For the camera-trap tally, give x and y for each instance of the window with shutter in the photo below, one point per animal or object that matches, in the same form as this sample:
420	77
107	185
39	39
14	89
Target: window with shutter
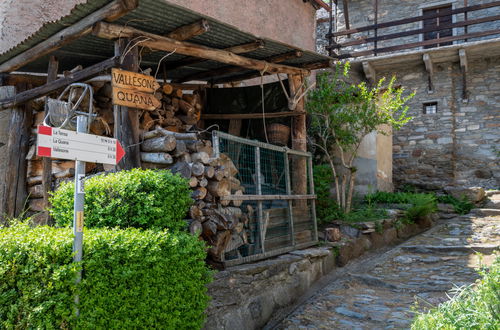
436	22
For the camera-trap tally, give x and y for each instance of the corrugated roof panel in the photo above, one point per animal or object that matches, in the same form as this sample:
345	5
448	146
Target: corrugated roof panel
155	17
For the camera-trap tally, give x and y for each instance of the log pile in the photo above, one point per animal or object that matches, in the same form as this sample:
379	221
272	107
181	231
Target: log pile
169	141
223	224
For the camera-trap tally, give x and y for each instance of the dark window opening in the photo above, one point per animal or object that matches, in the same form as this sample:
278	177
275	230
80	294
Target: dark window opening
436	22
430	108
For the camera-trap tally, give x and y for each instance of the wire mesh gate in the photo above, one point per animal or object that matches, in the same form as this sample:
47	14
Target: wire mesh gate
278	195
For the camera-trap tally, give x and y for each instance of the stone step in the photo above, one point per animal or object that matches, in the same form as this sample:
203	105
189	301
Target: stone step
484	248
487	212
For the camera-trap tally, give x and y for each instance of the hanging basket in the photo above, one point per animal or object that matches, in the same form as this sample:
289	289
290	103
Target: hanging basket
278	134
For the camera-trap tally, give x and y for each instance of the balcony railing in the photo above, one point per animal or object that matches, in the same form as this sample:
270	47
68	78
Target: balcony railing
376	39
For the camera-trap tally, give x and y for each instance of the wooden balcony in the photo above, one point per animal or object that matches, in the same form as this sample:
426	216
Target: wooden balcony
381	38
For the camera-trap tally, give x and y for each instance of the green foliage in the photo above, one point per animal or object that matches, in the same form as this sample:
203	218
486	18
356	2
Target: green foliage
327	209
421	204
136	198
342	114
461	206
364	214
132	279
472	307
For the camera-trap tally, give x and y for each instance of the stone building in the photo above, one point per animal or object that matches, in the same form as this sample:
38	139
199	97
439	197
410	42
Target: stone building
448	52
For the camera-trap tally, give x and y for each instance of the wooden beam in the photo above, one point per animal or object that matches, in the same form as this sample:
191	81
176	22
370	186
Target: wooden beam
256	74
47	161
462	54
231	116
48	88
153	41
126	120
14	180
234	69
190	30
83	27
370	72
345	6
239	49
429	67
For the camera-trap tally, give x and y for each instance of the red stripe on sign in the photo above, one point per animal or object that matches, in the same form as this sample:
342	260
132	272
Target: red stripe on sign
44	151
45	130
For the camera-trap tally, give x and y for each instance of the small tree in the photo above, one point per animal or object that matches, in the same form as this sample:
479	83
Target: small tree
343	114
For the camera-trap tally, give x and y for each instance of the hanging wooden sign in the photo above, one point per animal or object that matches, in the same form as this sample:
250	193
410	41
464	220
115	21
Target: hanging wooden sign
135	99
133	81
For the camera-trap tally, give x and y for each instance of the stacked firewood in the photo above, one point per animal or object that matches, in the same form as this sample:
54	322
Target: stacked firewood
222	223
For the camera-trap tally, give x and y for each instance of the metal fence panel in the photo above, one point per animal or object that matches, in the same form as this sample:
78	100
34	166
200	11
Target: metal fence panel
280	202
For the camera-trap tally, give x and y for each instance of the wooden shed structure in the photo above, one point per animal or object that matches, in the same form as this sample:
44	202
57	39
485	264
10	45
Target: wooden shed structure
188	54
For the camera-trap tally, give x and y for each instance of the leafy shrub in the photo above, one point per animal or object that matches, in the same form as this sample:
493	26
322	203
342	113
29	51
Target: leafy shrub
132	279
472	307
135	198
423	205
461	206
327	208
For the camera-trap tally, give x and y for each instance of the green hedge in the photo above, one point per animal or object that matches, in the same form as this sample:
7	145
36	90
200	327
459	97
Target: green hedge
136	198
132	279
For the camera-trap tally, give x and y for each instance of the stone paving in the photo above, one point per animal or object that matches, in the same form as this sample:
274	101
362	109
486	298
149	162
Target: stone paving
381	292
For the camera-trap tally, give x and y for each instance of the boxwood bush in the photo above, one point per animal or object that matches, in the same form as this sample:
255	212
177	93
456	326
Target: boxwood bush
132	279
136	198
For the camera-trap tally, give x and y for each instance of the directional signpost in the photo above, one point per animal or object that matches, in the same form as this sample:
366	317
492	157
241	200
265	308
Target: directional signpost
81	147
66	144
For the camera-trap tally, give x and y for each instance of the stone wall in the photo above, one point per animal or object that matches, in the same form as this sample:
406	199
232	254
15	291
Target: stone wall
459	144
361	13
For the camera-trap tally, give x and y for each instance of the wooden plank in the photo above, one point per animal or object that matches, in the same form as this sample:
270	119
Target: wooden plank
345	6
83	27
113	31
135	99
126	127
238	49
417	18
48	88
422	43
364	40
236	116
14	180
233	69
266	197
133	81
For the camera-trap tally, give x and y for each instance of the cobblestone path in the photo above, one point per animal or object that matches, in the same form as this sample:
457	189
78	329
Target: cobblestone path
379	293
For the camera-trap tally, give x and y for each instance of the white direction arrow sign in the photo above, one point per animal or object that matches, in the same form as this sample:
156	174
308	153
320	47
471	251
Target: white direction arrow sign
65	144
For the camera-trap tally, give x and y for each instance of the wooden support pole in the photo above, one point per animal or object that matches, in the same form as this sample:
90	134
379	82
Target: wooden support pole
47	161
299	139
429	67
113	31
48	88
239	49
111	11
464	66
15	190
126	128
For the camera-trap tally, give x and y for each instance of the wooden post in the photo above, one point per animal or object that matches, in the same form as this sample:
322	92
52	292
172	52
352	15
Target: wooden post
15	192
299	139
47	161
126	127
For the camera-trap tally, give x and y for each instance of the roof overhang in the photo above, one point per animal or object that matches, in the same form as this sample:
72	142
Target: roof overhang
158	18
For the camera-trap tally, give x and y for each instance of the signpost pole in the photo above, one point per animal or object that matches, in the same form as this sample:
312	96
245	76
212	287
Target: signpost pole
81	127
